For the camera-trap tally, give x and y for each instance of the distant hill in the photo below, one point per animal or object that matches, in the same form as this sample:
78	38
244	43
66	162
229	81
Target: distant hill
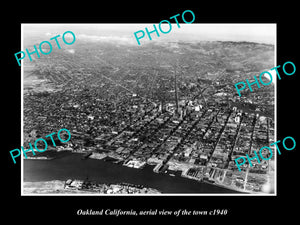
141	68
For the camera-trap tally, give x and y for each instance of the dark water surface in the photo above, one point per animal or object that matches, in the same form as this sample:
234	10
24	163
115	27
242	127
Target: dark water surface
72	166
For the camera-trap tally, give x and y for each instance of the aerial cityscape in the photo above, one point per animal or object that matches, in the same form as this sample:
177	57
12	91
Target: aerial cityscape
168	108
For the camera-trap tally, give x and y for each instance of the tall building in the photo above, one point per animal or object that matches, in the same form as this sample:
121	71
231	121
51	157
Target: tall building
176	91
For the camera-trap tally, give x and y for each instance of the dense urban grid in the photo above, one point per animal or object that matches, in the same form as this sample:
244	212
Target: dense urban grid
170	105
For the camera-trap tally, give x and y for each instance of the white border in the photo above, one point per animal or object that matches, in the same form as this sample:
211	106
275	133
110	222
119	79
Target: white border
22	111
129	195
275	119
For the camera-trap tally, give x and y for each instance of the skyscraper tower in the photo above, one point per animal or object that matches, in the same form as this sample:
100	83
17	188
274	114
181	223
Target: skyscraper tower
176	92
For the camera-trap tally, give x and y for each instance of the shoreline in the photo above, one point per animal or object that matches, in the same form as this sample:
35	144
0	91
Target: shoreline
149	165
104	157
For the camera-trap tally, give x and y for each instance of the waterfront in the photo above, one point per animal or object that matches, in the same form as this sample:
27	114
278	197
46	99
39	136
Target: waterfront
72	166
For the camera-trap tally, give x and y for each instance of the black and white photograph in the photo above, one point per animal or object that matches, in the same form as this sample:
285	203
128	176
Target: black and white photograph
135	113
129	109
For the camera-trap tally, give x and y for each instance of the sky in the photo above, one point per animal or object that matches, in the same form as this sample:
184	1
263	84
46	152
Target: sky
261	33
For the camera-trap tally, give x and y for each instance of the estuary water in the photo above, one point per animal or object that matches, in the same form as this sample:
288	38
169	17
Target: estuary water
72	166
